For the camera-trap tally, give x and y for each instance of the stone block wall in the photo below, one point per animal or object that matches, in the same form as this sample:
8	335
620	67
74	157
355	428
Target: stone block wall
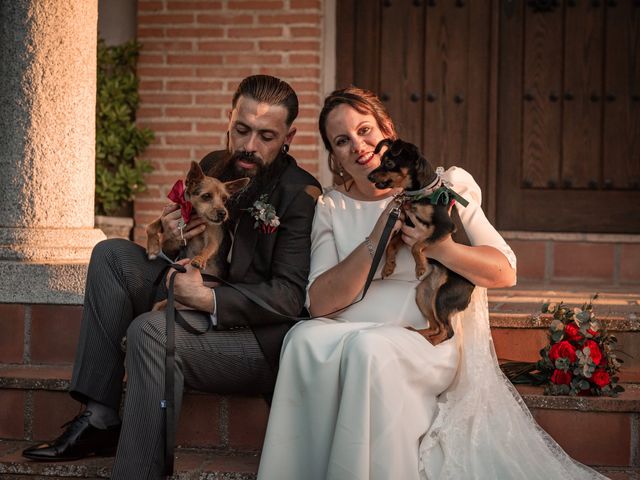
194	55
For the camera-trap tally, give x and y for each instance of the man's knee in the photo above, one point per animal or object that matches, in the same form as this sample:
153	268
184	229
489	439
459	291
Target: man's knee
145	332
109	249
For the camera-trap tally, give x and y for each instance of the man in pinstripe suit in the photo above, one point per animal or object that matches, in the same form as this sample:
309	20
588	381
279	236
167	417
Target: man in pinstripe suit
238	353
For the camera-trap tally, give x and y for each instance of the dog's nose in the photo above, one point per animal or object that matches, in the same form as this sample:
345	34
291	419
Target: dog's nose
372	176
221	215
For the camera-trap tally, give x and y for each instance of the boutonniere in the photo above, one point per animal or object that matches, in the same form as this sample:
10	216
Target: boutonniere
264	215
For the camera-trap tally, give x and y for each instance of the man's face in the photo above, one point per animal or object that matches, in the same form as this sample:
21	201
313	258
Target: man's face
257	132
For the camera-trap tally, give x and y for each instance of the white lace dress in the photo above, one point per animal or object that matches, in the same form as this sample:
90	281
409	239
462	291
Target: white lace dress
360	397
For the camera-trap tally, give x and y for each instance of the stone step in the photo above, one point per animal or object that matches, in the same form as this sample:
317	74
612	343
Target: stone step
34	403
190	464
519	330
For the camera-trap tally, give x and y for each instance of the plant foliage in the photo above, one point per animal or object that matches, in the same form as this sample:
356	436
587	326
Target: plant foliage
119	141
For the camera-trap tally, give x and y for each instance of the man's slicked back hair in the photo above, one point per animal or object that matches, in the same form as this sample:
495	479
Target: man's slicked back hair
270	90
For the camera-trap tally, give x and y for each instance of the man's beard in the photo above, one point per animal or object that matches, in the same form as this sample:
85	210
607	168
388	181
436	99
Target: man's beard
262	175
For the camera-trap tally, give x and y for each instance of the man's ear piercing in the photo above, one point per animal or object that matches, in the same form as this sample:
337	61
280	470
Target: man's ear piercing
285	148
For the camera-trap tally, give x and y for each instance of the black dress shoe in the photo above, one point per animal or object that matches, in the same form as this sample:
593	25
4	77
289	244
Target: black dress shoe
79	440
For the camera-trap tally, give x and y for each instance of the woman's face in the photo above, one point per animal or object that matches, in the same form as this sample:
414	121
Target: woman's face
353	137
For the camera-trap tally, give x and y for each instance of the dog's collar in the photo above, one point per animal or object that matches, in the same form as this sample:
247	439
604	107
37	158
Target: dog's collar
425	191
438	192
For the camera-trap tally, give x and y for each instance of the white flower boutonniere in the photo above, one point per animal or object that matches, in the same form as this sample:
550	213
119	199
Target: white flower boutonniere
264	214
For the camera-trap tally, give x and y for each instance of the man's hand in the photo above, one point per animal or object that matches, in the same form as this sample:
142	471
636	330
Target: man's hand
171	237
189	288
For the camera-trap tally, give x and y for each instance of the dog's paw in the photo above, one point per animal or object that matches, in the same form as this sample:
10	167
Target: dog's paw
199	262
420	271
152	256
388	269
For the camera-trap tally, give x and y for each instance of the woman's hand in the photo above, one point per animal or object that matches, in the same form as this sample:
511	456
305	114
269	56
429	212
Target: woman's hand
171	237
376	233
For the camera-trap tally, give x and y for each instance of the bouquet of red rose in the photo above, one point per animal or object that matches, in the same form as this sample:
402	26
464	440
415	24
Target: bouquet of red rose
580	357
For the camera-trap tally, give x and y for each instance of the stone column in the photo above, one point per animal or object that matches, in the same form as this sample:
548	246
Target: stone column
47	142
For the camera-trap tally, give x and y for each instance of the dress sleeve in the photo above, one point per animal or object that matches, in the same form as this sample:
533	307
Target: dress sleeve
476	225
324	254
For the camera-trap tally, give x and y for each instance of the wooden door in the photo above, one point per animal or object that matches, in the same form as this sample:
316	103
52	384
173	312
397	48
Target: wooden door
430	64
569	116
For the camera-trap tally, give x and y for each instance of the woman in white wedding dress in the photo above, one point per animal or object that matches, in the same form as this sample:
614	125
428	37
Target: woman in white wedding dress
361	396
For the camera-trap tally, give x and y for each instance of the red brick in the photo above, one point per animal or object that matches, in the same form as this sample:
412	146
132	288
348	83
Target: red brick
255	5
51	410
259	59
148	112
164	18
305	4
288	19
587	261
150	85
163	72
254	32
208	5
151	58
150	6
531	257
154	32
192	112
289	72
247	422
199	424
225	19
187	140
193	85
232	74
197	33
163	152
201	59
161	46
168	126
225	46
304	58
54	333
576	432
630	262
165	98
213	98
211	127
12	414
12	328
305	32
280	45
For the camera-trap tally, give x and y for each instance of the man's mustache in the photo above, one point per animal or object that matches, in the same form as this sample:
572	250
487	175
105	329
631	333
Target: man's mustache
249	157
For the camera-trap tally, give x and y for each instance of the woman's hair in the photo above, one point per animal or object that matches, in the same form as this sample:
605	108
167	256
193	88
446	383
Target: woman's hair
364	102
270	90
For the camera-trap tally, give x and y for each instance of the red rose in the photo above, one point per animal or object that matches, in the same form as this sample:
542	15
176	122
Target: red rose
600	377
562	349
593	333
573	332
560	377
595	353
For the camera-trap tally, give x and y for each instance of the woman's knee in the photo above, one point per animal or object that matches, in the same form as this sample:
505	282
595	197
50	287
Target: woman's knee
367	345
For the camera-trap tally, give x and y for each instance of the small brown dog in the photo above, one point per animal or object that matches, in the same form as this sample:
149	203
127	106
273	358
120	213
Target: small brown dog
442	292
207	196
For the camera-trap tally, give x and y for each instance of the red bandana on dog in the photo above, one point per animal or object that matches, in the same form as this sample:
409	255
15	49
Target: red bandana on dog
176	195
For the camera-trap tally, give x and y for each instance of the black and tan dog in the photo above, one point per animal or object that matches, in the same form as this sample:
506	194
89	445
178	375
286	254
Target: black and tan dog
207	196
442	292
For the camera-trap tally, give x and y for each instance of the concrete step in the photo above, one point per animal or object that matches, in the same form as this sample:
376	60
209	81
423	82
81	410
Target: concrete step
190	464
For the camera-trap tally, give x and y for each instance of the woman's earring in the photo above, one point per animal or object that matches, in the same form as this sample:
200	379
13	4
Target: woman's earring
285	148
340	171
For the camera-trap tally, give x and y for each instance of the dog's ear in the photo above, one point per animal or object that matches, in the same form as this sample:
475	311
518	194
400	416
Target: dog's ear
235	186
195	175
397	147
382	143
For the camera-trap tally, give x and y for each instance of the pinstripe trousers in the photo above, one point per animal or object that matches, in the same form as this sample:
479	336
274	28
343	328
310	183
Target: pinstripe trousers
118	297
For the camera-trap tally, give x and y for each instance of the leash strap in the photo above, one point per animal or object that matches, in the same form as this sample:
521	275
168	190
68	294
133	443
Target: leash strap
168	403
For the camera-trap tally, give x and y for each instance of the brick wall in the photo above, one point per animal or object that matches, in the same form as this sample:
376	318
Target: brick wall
194	55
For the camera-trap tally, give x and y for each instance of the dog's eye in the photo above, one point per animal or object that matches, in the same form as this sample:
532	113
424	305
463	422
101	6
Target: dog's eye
206	197
389	163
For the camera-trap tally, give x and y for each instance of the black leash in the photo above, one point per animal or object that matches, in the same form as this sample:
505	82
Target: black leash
172	316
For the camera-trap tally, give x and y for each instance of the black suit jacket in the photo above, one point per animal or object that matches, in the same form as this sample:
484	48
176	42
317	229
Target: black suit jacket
273	266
